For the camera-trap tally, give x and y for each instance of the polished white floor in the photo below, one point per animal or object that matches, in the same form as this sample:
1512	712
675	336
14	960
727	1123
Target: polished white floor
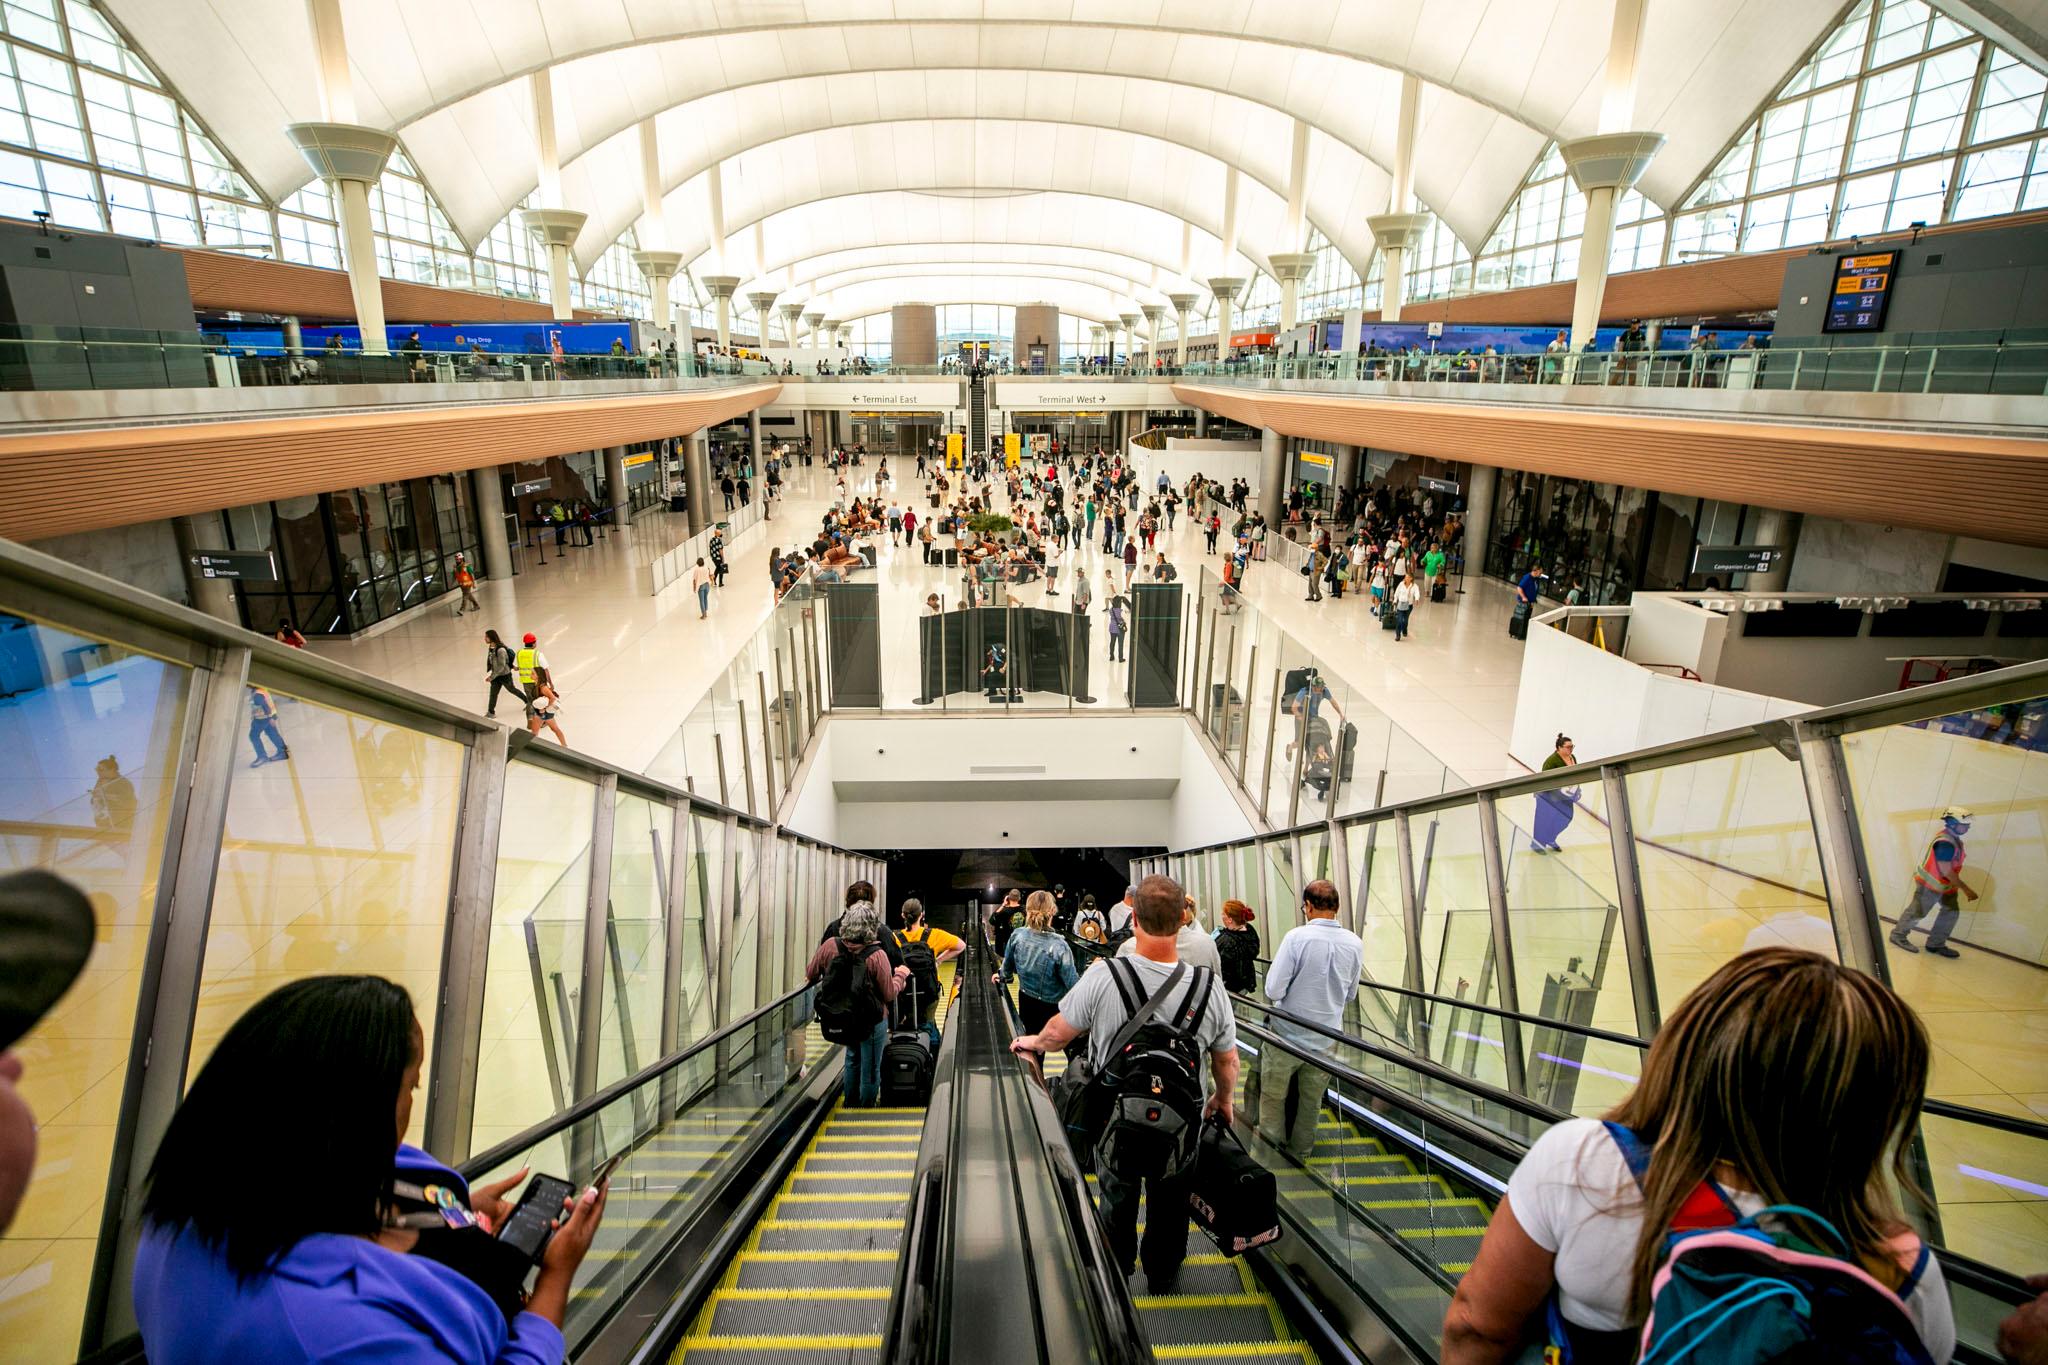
631	664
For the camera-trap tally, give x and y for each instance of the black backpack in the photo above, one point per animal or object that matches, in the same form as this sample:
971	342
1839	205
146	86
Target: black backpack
923	964
1152	1079
849	1006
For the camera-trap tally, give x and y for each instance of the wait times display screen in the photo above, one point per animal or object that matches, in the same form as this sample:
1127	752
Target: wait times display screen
1863	286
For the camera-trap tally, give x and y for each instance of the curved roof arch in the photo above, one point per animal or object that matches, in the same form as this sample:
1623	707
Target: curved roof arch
1344	185
1122	286
1036	221
981	162
1530	66
794	282
968	152
1072	299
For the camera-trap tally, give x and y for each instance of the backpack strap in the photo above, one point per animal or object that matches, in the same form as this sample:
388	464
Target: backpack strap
1708	1206
1195	1004
1912	1280
1128	988
1634	1150
1145	1011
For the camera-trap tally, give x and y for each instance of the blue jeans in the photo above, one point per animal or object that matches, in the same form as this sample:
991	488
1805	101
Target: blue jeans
703	598
863	1083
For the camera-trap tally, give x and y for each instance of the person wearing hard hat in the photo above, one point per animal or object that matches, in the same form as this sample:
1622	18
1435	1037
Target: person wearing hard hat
532	667
1937	881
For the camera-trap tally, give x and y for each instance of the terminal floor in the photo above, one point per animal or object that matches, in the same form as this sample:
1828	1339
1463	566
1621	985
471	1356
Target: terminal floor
631	665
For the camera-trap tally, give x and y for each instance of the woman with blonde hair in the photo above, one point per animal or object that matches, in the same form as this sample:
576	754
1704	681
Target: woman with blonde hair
1783	1079
1039	961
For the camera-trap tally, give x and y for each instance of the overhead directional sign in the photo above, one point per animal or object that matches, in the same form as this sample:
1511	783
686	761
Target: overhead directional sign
520	490
256	566
1736	558
1429	485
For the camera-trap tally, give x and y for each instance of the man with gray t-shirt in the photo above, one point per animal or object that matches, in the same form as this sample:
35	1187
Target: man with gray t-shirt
1095	1007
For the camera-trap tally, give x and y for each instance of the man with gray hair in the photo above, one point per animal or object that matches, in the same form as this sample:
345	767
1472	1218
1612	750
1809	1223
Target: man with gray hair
855	986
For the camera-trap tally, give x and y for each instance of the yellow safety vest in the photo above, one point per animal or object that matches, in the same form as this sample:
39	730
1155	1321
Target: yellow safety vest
525	661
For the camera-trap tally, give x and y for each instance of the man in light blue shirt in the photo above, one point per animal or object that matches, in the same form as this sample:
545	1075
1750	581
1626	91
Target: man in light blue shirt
1314	976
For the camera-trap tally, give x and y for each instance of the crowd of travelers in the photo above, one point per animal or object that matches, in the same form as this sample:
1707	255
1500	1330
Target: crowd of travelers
1707	1178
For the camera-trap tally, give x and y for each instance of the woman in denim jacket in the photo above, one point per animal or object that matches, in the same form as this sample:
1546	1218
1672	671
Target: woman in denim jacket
1040	962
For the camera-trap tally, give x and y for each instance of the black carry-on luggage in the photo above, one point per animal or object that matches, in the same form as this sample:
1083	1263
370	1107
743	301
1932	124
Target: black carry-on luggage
1518	624
1387	613
1436	591
907	1060
1232	1195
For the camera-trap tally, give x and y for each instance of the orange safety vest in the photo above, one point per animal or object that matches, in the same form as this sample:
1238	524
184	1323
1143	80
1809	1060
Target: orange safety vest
1929	873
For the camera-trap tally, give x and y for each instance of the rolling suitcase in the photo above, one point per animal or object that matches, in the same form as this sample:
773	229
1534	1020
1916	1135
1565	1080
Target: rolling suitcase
1231	1195
1436	591
1518	624
907	1063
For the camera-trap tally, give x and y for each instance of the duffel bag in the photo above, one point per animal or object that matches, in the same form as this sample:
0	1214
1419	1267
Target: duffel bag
1231	1195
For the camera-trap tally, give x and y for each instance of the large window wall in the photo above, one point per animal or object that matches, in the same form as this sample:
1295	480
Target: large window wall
89	134
523	905
1900	116
349	559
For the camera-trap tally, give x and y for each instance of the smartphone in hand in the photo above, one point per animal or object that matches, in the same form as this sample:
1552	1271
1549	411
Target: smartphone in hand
533	1221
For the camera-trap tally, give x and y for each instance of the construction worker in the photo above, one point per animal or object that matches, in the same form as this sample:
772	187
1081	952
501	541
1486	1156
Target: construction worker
532	667
1936	882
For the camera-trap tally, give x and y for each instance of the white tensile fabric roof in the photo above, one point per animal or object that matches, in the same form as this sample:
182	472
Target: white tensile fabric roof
1134	110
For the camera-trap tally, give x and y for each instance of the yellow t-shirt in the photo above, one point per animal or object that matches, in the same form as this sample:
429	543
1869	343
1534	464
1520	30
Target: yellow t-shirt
938	940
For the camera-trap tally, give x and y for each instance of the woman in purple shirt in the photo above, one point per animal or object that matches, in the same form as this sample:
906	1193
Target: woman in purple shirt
286	1220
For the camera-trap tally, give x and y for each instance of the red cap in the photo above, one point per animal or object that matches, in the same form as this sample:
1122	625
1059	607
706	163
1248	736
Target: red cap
529	638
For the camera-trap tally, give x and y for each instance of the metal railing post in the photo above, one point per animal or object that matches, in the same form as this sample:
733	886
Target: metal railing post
458	1023
1838	837
1244	744
1503	942
590	1002
746	757
1411	924
1272	730
168	1000
1628	885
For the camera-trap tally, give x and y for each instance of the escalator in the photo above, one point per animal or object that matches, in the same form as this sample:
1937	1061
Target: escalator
751	1217
812	1279
977	414
1221	1307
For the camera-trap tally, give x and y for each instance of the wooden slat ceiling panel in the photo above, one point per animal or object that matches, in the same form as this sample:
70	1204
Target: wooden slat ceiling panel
1986	486
224	282
65	481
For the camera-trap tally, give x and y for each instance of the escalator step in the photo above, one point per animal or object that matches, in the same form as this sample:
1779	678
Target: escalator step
1210	1275
1190	1318
851	1204
1237	1350
843	1350
836	1271
796	1312
831	1234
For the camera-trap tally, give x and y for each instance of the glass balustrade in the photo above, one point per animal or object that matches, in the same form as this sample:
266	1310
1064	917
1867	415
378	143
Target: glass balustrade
560	925
1965	362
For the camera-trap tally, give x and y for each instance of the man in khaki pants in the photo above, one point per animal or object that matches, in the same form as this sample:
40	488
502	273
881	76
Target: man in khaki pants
1313	977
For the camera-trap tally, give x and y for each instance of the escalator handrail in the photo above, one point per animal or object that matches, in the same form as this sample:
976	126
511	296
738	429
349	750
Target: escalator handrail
1534	1020
492	1157
1436	1071
1112	1313
914	1297
1478	1135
